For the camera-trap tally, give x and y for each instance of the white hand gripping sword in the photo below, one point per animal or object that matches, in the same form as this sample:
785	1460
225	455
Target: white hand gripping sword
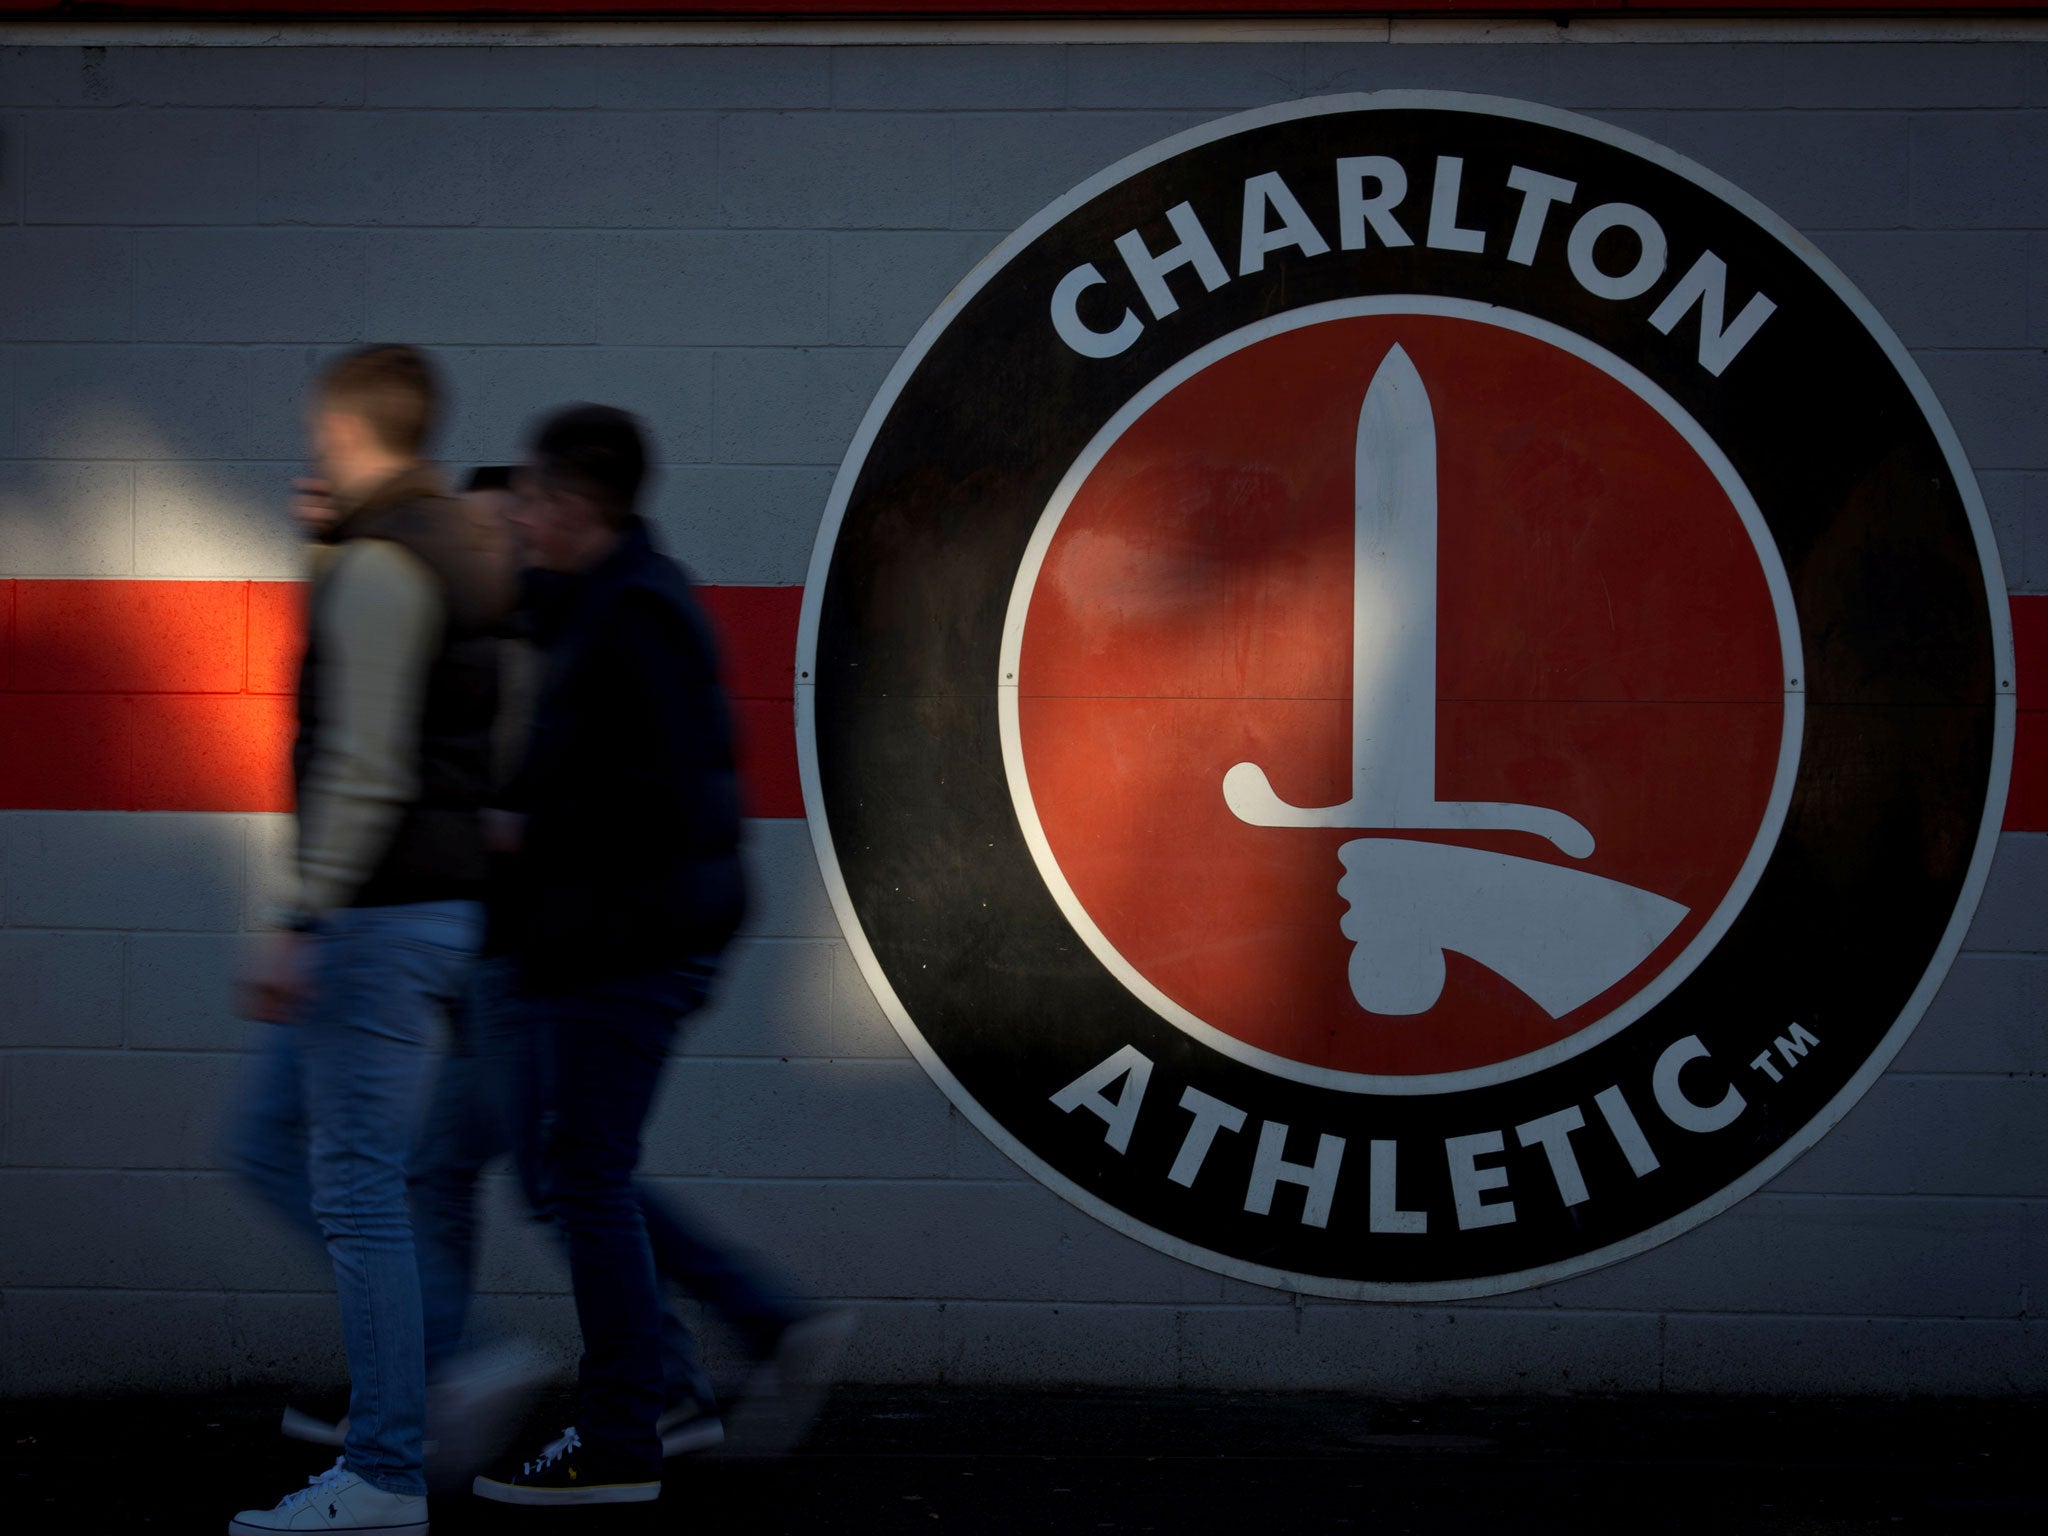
1562	935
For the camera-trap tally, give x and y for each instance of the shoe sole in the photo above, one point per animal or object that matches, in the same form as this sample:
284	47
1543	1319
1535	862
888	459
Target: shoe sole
404	1528
692	1436
297	1424
773	1423
602	1493
478	1418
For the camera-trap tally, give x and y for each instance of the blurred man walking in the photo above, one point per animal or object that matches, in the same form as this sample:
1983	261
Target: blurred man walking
624	893
397	691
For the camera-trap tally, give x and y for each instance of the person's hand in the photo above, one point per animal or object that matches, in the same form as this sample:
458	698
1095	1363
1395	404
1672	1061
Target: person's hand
277	978
504	831
312	506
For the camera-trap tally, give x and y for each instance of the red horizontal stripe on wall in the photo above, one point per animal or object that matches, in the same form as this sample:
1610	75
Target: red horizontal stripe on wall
2026	803
2030	652
176	695
307	10
131	637
757	638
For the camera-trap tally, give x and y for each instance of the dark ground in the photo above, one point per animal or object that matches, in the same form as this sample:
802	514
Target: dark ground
993	1462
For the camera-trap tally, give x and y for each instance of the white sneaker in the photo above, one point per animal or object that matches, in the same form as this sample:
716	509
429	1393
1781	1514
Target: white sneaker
473	1406
337	1500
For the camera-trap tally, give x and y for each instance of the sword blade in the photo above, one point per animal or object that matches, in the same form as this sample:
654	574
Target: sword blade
1393	597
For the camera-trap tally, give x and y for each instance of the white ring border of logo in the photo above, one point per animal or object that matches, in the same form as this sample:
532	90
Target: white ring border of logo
1705	1210
1010	664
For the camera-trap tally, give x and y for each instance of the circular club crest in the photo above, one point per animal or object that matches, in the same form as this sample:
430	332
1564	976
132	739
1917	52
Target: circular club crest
1403	696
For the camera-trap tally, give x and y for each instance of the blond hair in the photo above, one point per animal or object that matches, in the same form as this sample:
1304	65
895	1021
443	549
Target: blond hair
392	388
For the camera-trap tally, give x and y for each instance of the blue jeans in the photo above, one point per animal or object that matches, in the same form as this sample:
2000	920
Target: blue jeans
598	1053
494	1095
479	1110
325	1130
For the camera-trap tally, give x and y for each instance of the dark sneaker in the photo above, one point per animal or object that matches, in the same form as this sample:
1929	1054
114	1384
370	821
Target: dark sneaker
786	1390
689	1426
326	1424
567	1472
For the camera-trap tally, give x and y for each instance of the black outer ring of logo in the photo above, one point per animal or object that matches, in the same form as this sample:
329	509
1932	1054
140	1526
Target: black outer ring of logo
1861	907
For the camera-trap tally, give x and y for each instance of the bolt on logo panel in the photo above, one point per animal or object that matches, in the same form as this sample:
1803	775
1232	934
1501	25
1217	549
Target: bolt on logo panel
1404	696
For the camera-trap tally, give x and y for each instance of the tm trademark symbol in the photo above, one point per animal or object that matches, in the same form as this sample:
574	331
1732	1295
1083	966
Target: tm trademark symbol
1790	1049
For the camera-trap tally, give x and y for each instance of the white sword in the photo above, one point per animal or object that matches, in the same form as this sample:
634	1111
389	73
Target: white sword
1561	935
1393	646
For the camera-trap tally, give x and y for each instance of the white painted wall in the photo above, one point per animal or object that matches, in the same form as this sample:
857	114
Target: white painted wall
735	240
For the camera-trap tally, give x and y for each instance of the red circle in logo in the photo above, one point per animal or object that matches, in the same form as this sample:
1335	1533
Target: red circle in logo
1397	882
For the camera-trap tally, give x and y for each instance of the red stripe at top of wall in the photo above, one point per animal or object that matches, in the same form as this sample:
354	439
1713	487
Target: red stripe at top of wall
311	10
176	696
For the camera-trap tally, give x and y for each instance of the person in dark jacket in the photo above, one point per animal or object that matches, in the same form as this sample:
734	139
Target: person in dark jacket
481	1109
397	692
625	889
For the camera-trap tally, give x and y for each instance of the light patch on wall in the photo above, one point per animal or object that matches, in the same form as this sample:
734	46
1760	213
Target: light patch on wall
217	520
66	519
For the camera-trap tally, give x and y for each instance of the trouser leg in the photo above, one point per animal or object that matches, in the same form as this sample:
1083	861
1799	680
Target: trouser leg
738	1289
266	1142
382	976
605	1052
468	1123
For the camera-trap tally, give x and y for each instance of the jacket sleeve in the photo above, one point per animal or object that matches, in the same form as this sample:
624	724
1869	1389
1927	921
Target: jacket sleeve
378	620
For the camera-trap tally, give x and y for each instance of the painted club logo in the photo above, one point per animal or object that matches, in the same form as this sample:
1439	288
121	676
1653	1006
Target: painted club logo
1403	696
1430	897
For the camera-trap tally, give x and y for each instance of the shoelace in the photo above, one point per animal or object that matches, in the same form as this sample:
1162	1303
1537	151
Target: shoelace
315	1485
553	1452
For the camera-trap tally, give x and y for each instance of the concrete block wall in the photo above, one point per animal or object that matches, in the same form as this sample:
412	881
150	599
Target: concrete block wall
735	241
